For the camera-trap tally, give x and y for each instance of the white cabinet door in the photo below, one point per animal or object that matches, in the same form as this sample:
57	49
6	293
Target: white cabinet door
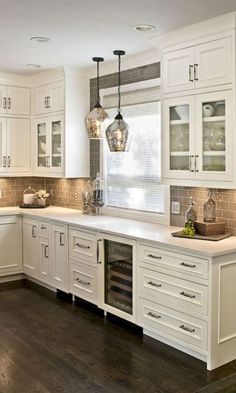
3	145
56	94
30	248
213	63
11	245
59	257
177	70
18	101
44	259
3	99
41	100
18	145
49	98
179	137
214	141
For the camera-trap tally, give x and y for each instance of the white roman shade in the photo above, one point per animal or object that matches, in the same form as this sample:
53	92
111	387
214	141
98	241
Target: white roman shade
132	178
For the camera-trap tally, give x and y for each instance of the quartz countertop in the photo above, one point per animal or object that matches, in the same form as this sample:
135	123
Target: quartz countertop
144	231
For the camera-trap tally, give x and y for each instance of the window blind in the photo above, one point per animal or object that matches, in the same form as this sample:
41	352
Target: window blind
132	178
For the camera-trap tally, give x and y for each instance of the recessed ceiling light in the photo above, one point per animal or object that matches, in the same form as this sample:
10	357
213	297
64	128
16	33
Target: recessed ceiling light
144	28
41	40
33	65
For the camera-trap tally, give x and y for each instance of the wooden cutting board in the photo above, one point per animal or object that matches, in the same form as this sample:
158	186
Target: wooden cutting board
214	238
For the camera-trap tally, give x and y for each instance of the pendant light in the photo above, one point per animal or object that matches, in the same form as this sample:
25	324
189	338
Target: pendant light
97	115
117	132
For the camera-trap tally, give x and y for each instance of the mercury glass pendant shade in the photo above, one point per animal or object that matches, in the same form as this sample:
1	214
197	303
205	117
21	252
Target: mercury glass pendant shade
117	132
97	115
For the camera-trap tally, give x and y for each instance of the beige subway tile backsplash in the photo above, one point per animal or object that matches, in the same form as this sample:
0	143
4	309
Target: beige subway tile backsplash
63	192
225	205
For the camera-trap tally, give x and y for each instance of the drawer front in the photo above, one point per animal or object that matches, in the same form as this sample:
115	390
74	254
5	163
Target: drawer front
83	282
44	228
83	246
158	319
183	295
153	257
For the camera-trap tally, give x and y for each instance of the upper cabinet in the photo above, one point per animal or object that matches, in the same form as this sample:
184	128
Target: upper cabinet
49	98
198	137
200	66
14	101
60	145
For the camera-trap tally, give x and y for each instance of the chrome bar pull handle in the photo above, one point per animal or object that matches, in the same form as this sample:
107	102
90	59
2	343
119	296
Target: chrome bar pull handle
190	68
45	102
33	231
188	265
4	103
8	161
98	252
196	163
4	161
187	295
191	163
45	251
82	281
187	329
82	246
61	239
195	72
49	102
154	284
151	314
8	103
154	256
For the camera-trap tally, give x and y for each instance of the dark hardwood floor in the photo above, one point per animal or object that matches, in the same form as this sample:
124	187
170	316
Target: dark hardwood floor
49	345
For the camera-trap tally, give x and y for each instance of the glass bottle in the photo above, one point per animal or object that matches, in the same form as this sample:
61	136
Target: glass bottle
210	209
190	214
98	193
87	199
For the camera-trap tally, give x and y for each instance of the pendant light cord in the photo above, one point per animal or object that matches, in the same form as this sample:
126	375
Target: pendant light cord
98	97
119	82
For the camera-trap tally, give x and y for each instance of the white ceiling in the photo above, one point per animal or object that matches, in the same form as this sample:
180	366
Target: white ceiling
81	29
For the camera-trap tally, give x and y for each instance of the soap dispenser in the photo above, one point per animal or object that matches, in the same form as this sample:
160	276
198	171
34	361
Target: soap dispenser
210	209
190	214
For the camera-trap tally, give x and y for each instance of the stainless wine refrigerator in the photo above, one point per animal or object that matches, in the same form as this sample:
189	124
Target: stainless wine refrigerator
118	276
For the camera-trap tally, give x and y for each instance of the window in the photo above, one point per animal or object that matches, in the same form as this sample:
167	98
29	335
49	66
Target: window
133	179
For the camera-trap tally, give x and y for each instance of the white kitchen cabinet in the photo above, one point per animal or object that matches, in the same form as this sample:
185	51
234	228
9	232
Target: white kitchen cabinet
44	260
204	65
10	245
14	101
198	136
14	146
59	257
49	145
49	98
31	247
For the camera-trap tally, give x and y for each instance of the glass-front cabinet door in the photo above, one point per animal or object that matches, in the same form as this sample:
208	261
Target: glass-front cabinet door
42	144
179	137
56	137
50	144
214	139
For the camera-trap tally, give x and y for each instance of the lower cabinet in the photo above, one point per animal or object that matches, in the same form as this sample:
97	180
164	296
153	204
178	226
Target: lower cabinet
11	245
45	256
83	281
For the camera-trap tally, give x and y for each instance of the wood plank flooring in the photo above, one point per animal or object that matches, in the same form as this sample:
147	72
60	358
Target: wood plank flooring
48	345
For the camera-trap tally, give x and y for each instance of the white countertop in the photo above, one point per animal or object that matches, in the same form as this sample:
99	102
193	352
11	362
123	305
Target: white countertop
161	234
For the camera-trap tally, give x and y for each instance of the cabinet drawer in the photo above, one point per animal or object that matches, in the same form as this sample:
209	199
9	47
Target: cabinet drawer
152	257
83	282
157	318
181	294
83	246
44	228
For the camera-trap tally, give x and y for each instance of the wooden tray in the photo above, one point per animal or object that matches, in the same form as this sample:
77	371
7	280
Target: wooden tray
213	238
